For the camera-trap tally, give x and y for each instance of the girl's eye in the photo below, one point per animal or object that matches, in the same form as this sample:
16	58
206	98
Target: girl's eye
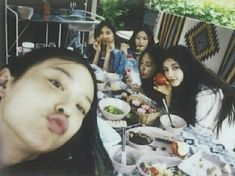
145	38
165	70
175	67
56	83
80	108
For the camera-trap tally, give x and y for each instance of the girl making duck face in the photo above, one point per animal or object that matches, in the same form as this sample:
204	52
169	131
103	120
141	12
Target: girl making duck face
48	117
103	52
198	95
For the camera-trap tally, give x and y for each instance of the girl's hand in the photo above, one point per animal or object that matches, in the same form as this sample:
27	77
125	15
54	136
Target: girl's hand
124	47
97	44
110	46
166	89
128	80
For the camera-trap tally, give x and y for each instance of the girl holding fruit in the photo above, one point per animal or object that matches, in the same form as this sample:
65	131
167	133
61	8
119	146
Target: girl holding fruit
103	51
198	95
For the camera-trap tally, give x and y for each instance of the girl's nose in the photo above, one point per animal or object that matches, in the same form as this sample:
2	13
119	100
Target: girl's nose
63	108
170	73
142	68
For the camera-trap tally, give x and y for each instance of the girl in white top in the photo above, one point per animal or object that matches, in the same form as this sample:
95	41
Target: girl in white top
198	95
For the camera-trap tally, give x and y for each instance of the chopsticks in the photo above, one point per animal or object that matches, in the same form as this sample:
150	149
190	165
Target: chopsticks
123	160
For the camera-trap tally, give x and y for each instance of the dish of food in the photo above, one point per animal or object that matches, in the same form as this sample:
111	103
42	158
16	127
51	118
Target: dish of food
143	139
140	106
139	138
158	166
113	110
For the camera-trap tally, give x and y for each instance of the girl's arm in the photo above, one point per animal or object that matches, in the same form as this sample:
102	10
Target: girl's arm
97	48
109	49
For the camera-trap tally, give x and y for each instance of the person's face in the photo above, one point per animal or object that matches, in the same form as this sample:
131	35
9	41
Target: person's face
46	107
106	35
147	67
173	72
141	41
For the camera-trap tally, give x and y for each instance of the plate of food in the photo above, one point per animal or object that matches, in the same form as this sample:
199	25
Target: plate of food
154	165
202	163
156	140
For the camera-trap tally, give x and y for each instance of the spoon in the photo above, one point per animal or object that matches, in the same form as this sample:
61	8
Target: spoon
168	113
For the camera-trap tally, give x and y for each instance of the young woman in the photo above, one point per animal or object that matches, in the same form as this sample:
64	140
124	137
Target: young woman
149	66
103	51
48	121
140	40
198	95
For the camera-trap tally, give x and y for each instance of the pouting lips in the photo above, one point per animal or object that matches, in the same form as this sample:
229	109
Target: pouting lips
58	124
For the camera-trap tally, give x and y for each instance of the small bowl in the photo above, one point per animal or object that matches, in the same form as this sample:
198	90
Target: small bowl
25	12
120	104
101	85
177	121
132	158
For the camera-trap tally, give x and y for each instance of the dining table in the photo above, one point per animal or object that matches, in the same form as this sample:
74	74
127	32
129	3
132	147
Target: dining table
204	152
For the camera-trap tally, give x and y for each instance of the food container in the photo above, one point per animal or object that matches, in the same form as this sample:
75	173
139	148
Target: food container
117	104
132	158
178	122
156	165
143	108
24	12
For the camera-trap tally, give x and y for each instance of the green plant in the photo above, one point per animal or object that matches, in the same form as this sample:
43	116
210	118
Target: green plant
208	12
111	11
118	11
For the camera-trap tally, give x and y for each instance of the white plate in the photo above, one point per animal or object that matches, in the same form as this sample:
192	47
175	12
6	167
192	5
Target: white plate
151	160
108	135
153	132
203	163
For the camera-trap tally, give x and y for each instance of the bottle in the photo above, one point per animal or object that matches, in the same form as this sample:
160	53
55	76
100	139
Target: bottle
132	70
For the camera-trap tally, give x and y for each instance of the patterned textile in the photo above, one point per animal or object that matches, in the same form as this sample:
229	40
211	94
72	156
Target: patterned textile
227	68
202	40
202	140
170	30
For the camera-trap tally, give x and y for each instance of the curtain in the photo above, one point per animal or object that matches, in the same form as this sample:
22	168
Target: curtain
170	29
227	68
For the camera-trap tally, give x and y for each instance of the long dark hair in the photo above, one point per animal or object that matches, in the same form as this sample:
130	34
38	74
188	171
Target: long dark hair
197	75
143	27
84	153
155	53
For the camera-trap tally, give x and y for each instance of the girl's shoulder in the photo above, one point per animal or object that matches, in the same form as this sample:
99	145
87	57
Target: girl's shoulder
205	91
